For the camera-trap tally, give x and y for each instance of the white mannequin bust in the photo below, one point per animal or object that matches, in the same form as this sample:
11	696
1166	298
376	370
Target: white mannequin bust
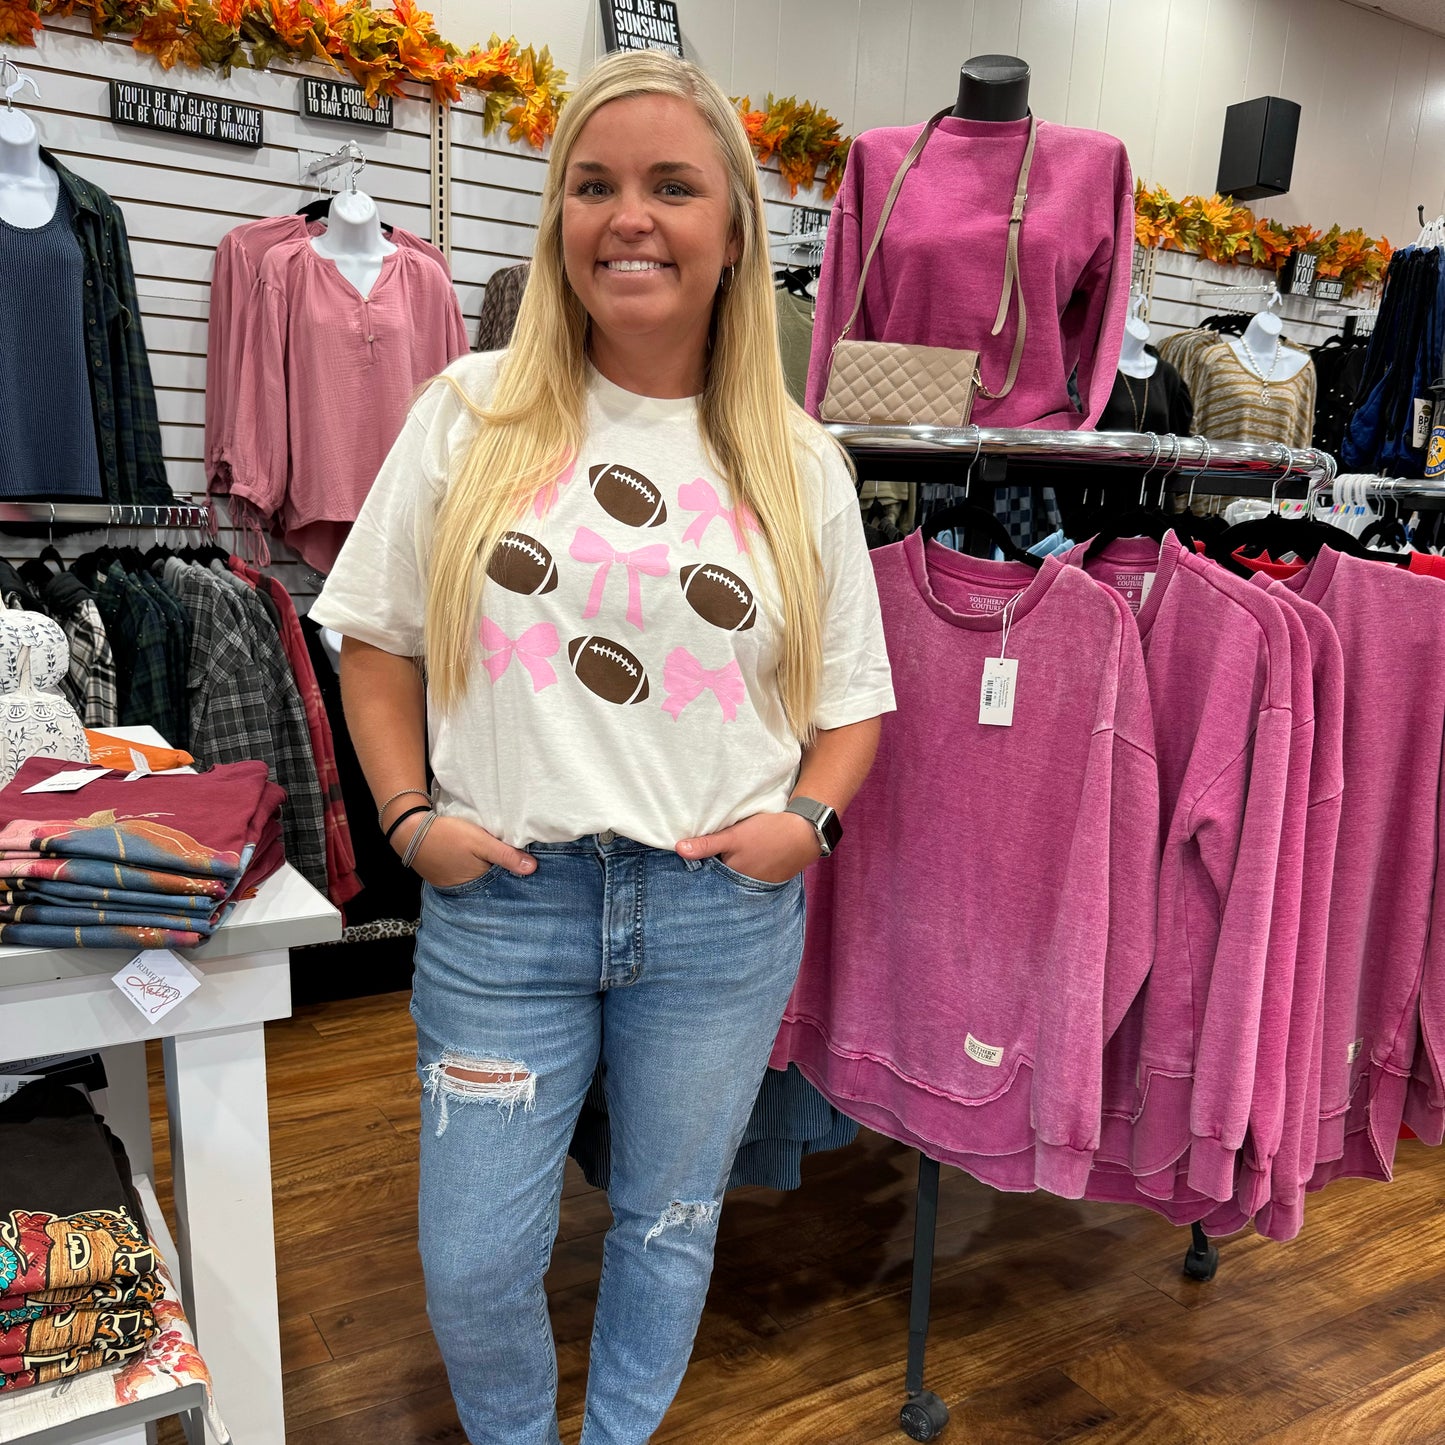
1133	359
353	240
1261	350
29	189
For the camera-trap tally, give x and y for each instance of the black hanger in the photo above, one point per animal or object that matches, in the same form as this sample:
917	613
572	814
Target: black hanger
319	210
1388	532
1276	536
968	516
796	279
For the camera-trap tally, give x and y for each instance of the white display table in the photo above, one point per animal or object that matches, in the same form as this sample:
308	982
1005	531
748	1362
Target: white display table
61	1000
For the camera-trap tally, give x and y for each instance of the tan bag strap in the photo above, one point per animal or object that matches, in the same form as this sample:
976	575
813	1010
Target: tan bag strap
914	151
1011	282
1012	285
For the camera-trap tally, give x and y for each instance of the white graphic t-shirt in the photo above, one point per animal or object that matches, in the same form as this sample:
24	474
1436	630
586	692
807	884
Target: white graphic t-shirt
627	643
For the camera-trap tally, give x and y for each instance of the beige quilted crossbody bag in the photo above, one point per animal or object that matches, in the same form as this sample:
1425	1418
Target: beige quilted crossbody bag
890	382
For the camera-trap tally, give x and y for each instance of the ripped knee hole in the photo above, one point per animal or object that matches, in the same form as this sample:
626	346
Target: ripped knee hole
461	1079
681	1214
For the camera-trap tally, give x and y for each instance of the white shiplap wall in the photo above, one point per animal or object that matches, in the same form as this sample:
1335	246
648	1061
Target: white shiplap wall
180	196
1156	73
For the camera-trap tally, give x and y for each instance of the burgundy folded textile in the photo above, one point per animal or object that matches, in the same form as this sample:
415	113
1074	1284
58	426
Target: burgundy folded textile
196	824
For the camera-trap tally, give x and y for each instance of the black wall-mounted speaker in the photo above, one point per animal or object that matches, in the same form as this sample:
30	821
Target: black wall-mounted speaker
1257	157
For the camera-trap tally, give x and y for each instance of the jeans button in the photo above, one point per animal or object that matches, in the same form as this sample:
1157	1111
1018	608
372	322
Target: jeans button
608	837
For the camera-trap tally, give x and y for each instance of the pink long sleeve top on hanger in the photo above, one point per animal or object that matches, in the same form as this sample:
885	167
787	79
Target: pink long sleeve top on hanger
325	383
237	264
990	916
1384	1014
1282	1214
938	275
1182	1069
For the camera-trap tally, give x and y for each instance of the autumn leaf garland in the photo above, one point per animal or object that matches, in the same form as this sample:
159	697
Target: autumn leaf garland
802	136
1219	229
378	48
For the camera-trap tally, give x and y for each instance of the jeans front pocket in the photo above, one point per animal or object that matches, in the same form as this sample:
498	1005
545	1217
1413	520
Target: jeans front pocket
753	885
472	885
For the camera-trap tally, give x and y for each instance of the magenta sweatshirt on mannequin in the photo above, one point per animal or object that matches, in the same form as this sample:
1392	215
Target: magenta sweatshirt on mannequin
990	915
938	274
1282	1214
1383	962
1182	1070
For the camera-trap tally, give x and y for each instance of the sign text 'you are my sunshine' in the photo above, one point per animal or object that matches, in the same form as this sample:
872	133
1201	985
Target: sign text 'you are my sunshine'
641	25
176	112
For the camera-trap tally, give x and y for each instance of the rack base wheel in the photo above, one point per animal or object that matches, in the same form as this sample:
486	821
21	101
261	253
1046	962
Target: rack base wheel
924	1416
1201	1264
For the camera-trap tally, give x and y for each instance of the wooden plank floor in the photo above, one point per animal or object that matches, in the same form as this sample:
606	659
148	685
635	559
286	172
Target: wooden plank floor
1053	1320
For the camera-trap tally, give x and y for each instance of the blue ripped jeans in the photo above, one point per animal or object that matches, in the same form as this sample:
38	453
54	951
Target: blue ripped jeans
674	974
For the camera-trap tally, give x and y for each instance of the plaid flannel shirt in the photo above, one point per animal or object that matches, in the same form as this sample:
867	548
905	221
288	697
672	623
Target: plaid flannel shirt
122	394
90	682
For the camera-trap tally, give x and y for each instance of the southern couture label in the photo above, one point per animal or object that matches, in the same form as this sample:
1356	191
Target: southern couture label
202	117
341	101
641	25
985	1054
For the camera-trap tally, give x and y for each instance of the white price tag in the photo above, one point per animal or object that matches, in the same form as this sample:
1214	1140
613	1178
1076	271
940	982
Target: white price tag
68	781
156	981
139	767
11	1084
996	696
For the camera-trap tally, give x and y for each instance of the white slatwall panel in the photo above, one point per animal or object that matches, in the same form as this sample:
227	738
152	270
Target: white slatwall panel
1156	73
181	196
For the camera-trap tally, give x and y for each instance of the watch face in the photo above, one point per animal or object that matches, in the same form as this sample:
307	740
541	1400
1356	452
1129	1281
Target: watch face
831	828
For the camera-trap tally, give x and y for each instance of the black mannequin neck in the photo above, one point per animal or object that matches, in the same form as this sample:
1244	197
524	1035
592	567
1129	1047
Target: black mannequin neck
993	87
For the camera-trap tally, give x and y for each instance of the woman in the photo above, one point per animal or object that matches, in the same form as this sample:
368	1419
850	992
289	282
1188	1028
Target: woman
636	575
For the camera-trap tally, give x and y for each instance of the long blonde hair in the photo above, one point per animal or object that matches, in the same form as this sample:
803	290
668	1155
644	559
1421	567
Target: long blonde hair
534	424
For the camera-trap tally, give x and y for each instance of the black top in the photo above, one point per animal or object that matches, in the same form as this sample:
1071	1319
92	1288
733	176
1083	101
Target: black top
47	429
1160	403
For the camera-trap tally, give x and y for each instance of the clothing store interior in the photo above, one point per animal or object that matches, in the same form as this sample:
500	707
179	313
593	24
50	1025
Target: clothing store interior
1107	1100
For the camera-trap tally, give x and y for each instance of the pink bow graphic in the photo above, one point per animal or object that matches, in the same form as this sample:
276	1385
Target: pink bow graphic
686	679
700	496
531	649
587	546
546	499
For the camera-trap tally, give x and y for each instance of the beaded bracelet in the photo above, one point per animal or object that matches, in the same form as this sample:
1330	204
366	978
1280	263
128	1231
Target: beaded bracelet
381	811
413	847
410	813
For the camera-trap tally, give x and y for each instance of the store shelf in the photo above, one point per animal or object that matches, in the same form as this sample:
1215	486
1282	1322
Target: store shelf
121	1424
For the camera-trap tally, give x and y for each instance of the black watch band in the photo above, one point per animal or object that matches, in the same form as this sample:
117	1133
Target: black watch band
826	823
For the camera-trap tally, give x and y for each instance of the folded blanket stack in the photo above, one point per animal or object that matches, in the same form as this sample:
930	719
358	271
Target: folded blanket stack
156	862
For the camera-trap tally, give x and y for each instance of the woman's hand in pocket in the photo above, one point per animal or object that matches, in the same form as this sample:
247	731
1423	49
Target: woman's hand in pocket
771	847
455	851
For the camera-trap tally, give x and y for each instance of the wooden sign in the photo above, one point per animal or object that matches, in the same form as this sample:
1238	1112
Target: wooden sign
176	112
641	25
341	101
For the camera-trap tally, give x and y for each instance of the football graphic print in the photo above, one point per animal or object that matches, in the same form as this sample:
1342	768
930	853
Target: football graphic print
627	496
608	669
719	596
522	564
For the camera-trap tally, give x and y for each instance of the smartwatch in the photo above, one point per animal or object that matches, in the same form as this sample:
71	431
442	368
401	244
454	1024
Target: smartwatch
824	820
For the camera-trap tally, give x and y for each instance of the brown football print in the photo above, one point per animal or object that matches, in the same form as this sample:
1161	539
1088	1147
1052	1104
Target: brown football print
627	496
719	596
607	669
522	564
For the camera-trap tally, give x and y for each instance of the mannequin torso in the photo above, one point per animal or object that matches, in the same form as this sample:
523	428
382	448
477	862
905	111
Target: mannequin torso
993	87
1133	359
1262	353
353	240
29	189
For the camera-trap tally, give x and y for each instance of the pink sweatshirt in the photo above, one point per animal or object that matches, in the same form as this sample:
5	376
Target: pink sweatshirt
1383	961
990	916
938	274
237	264
1182	1070
1282	1214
